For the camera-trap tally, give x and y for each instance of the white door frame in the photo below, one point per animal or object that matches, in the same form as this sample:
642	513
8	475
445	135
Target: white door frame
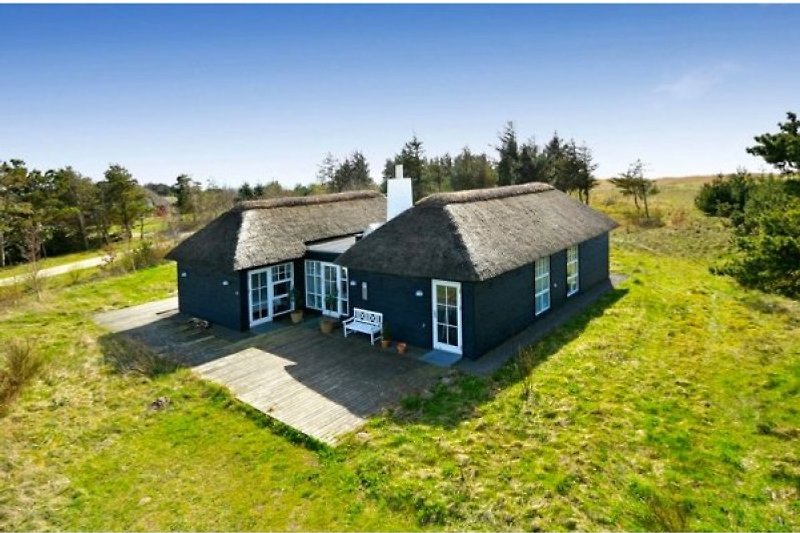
270	293
341	285
435	323
268	303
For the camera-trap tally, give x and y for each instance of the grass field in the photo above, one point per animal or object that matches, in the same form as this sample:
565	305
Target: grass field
672	404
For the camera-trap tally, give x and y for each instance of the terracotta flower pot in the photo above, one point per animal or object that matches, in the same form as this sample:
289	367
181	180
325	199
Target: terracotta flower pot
297	316
326	325
385	343
401	348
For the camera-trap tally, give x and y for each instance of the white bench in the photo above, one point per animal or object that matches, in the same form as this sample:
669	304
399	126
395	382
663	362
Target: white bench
364	321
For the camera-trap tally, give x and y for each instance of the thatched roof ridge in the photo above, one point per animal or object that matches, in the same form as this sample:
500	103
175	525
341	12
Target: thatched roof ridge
272	231
477	235
478	195
291	201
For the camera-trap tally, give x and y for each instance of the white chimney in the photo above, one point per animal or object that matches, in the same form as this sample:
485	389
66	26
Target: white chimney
399	195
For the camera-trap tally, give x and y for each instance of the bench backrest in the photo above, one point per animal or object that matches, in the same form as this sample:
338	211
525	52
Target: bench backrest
369	317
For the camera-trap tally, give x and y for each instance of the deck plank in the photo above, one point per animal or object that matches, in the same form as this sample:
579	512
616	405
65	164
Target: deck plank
322	385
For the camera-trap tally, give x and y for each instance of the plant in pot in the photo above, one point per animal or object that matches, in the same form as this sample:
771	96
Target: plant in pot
297	314
386	337
401	348
327	324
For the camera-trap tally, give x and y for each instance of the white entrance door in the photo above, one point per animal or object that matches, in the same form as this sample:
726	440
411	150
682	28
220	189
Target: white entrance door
269	292
446	299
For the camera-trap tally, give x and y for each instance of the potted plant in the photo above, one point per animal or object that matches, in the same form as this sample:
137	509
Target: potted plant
297	314
386	337
327	324
401	348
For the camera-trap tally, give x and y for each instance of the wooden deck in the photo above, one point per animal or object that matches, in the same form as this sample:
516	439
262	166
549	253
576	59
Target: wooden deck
322	385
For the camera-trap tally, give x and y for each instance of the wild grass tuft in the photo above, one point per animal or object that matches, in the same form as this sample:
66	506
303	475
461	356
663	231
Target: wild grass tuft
19	365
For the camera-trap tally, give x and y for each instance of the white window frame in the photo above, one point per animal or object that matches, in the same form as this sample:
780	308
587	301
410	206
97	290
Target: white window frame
541	284
315	269
437	345
287	269
573	270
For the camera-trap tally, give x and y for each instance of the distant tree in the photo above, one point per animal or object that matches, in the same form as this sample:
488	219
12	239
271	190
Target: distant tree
532	163
125	199
633	183
782	149
508	166
472	171
14	207
412	157
246	192
187	193
437	173
352	174
554	152
577	170
271	189
161	189
75	201
326	171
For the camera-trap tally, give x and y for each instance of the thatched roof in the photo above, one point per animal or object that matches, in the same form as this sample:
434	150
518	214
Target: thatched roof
263	232
477	235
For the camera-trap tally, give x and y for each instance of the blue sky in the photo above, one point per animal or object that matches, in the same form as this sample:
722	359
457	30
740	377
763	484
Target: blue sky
253	92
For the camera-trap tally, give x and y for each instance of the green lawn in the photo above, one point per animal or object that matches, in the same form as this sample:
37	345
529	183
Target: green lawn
674	403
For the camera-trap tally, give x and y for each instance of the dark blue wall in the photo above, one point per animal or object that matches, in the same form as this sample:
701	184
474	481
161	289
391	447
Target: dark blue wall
504	305
201	294
407	315
593	261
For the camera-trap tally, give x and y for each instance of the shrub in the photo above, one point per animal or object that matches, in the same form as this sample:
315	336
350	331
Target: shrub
21	363
144	255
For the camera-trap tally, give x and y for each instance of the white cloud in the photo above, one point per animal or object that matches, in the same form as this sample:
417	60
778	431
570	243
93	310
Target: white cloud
698	82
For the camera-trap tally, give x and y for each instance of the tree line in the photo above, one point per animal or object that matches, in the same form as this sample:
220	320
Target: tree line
53	212
63	210
562	163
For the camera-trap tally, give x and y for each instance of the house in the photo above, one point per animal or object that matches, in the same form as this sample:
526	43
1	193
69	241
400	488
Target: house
458	272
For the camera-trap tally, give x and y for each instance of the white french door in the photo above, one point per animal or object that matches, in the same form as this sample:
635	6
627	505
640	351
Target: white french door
327	288
446	301
269	292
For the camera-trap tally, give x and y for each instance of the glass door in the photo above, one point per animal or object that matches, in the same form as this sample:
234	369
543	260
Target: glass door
270	291
446	300
259	289
334	290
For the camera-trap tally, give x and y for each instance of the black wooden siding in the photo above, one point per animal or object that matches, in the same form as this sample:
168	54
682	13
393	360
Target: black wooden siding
201	294
407	315
492	310
504	305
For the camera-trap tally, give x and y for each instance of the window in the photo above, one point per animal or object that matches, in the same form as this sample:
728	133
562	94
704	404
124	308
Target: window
572	270
541	285
282	280
314	285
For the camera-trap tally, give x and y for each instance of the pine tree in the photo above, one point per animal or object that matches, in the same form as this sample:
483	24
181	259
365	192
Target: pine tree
509	163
